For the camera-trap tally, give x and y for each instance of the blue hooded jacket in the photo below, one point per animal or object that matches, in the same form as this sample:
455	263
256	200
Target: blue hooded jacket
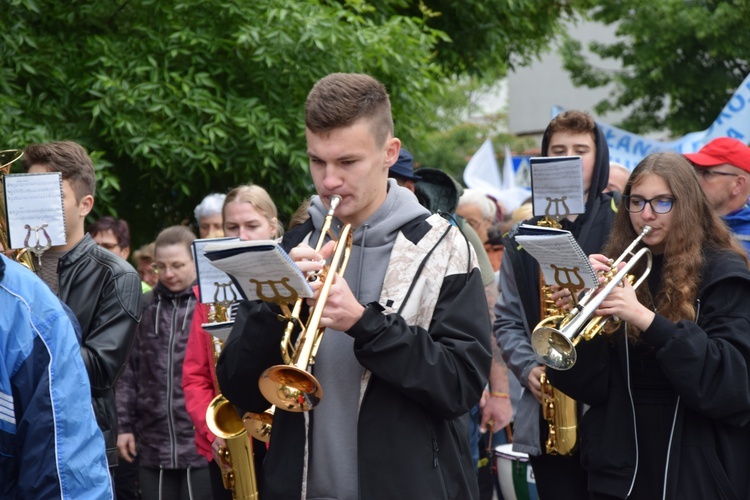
50	444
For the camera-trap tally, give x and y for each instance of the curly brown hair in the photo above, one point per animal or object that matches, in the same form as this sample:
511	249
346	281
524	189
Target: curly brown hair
695	227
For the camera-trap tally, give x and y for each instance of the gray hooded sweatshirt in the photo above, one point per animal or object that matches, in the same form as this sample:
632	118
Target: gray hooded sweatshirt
343	379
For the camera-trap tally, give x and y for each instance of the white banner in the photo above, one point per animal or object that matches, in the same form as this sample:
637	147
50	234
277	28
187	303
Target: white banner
733	121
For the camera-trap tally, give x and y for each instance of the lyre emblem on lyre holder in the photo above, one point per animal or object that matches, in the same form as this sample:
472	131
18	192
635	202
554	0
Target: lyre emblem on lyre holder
558	203
224	297
572	278
38	248
276	289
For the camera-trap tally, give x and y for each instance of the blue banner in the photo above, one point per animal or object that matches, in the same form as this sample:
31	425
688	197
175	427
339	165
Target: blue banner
733	121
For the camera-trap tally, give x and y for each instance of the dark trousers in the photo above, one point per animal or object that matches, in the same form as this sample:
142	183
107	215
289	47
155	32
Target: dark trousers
175	484
560	478
126	480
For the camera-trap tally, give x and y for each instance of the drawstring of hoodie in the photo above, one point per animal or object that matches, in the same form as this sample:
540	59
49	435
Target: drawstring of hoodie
361	257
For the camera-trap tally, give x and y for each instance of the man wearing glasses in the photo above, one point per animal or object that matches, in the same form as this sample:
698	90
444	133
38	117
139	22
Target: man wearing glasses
723	168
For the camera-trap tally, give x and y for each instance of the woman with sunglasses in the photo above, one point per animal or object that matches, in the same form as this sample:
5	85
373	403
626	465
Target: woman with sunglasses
669	391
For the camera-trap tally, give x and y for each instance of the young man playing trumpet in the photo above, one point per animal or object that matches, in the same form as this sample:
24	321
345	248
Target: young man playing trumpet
406	352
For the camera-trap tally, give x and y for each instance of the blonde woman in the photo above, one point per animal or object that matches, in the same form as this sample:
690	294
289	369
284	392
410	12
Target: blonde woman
250	214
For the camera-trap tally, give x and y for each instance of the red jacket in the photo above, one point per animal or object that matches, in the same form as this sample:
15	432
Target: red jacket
198	377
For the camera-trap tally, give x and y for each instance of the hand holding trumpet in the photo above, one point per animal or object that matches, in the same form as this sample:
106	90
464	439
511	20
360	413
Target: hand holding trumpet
622	301
341	310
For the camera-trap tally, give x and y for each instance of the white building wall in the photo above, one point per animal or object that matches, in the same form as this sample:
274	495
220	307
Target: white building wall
534	90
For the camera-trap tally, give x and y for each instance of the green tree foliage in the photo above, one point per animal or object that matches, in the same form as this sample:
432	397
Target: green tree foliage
681	60
179	98
485	37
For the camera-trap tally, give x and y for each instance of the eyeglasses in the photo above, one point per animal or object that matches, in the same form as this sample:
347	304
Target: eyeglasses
660	205
160	268
708	173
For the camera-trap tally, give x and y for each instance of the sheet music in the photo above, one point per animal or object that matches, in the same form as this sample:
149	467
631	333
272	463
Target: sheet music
209	275
562	260
35	212
260	269
557	186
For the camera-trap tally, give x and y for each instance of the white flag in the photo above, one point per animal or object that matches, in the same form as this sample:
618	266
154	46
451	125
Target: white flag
482	172
511	196
509	173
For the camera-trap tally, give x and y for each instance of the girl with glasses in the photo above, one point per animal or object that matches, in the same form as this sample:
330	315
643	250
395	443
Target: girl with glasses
669	391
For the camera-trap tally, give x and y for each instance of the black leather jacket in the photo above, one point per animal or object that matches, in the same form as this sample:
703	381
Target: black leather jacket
104	292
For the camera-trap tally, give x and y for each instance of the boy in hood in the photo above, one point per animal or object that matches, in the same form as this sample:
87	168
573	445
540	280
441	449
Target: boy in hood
518	309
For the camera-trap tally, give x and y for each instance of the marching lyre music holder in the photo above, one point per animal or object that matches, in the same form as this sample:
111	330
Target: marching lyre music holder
38	248
280	292
556	214
224	297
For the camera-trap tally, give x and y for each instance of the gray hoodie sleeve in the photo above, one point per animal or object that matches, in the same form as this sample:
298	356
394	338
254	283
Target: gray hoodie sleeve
510	328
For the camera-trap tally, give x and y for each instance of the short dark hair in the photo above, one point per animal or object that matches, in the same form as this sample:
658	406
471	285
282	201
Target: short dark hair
574	121
341	99
68	158
175	235
119	228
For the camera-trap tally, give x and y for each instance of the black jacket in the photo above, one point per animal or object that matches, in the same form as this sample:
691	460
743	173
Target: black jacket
412	428
707	362
104	292
518	309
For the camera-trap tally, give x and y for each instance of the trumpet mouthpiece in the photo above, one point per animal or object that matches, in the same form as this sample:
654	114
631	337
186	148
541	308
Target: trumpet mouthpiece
335	200
646	230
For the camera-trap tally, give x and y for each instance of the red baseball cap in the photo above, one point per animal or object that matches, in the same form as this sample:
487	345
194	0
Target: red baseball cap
722	150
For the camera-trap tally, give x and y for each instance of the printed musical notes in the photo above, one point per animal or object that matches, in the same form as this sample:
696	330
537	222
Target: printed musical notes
35	211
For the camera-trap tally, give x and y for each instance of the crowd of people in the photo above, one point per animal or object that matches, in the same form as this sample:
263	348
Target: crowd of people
427	360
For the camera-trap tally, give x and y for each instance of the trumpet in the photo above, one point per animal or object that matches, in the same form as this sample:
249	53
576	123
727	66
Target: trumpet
555	338
291	386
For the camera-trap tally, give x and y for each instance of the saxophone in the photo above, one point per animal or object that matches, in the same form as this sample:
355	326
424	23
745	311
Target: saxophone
224	421
559	410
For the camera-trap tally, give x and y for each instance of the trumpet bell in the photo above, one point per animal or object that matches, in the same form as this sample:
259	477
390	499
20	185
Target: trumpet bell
259	425
553	348
290	388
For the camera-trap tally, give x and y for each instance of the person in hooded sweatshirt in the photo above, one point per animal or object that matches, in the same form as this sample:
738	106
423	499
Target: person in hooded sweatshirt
154	423
518	309
406	351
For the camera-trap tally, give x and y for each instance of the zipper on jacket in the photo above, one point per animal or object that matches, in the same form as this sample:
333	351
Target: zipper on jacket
170	380
436	465
669	447
632	408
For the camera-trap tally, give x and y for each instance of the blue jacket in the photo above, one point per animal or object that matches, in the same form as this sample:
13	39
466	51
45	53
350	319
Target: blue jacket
50	444
739	224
